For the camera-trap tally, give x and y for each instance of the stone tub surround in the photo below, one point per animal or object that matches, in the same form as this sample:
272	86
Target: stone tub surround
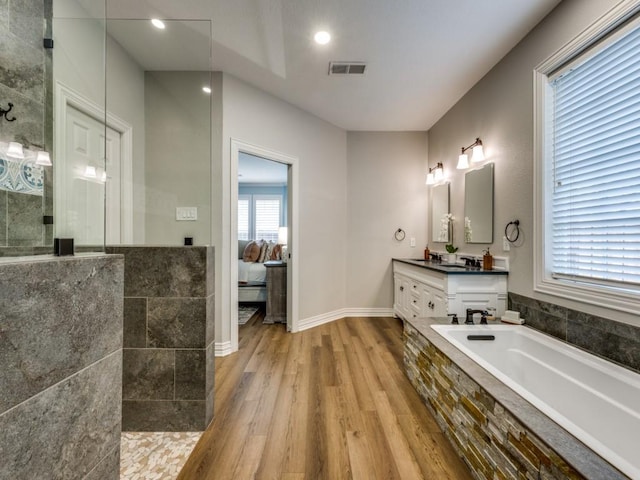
168	362
615	341
494	430
61	352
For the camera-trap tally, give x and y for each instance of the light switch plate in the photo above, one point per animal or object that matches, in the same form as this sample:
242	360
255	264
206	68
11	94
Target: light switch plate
506	246
187	214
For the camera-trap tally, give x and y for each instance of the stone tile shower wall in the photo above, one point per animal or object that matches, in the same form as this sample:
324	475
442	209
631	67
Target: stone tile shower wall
616	341
168	356
26	81
61	375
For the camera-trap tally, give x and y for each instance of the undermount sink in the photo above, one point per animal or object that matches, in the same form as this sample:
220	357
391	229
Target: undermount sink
436	264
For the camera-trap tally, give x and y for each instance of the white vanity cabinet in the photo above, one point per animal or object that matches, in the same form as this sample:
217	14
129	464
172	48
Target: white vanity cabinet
420	291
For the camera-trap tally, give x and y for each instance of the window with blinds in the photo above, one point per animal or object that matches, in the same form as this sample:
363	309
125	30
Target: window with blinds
243	217
268	211
593	159
259	217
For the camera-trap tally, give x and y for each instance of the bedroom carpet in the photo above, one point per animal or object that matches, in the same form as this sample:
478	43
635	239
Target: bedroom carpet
245	312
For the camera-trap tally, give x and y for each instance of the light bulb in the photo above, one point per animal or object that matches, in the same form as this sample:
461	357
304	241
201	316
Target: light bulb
159	24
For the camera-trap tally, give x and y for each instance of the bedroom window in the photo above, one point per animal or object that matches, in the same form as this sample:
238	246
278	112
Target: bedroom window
588	170
259	217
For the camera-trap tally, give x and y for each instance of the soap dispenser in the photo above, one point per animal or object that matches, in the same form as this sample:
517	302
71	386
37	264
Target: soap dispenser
426	252
487	260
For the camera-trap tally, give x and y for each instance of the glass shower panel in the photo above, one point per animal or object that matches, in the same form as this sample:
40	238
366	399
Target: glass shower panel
159	89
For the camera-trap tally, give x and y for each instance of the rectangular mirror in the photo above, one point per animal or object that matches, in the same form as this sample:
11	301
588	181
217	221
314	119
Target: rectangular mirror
439	208
478	205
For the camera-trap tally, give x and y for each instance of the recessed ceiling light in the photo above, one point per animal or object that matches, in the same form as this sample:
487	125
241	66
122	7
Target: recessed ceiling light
157	23
206	89
322	37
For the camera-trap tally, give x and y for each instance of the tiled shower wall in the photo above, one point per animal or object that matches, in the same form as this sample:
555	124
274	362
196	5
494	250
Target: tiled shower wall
26	81
61	376
168	357
616	341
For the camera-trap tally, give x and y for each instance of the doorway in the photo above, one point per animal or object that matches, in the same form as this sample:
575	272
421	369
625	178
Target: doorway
290	208
93	180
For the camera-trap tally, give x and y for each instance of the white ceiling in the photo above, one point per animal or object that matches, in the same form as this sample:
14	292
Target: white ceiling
257	170
421	55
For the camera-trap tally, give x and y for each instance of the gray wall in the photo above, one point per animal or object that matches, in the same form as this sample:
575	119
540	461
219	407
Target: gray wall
253	116
499	110
178	156
61	377
385	191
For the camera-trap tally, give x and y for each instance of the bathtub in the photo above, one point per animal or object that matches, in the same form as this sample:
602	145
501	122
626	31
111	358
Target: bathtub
595	400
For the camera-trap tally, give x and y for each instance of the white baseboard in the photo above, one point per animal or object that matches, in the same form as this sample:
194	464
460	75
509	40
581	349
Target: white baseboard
222	349
307	323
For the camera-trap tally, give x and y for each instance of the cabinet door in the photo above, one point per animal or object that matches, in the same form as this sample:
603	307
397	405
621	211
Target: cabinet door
439	301
434	302
401	296
426	300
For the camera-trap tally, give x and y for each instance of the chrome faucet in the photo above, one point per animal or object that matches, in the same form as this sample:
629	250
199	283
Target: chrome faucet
470	313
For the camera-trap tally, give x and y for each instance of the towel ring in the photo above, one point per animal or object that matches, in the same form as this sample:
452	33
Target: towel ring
515	229
399	234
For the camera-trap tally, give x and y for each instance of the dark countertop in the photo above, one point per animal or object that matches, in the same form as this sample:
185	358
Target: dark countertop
581	457
449	269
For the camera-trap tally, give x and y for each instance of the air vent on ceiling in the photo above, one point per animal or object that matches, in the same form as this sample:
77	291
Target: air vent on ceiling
347	68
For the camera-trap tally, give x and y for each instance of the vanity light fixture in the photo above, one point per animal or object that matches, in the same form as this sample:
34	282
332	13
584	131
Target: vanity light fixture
43	159
322	37
159	24
15	150
436	174
476	156
90	172
206	89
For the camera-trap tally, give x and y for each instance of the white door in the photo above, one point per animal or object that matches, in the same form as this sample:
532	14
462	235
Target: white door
87	176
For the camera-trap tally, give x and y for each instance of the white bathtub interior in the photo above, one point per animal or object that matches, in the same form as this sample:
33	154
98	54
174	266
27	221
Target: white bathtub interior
595	400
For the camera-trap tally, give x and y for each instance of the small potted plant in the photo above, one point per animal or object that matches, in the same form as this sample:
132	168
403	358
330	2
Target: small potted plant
451	250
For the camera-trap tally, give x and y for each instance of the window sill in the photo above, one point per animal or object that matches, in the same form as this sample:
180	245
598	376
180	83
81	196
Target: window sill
614	299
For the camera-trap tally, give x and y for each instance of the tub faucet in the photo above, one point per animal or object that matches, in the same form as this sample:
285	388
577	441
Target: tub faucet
470	313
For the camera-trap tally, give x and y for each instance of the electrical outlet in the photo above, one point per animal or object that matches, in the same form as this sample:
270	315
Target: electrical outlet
506	246
413	241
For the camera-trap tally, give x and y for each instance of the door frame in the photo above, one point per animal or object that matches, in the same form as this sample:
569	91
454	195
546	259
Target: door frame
66	97
231	280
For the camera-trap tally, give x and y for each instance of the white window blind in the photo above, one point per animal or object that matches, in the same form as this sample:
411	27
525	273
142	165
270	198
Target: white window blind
595	135
243	218
267	217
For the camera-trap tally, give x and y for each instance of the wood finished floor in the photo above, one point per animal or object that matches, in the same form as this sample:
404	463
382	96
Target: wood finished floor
327	403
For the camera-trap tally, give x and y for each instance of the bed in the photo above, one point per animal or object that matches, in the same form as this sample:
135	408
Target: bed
252	286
